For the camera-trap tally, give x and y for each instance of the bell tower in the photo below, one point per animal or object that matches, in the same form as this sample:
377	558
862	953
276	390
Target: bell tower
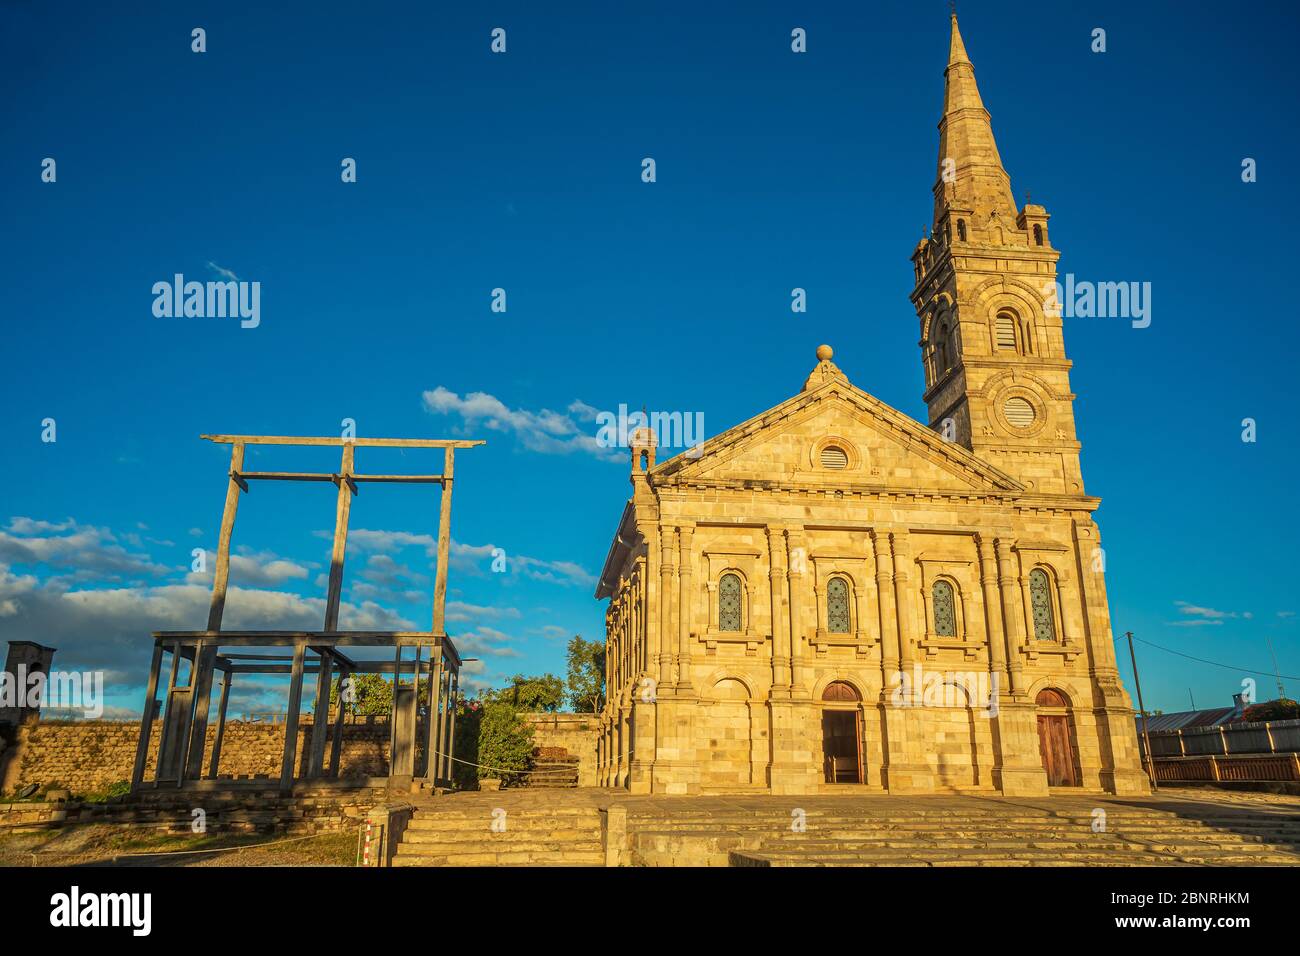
996	374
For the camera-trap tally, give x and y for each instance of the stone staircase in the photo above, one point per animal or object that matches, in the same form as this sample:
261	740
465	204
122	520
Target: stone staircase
916	835
501	832
552	768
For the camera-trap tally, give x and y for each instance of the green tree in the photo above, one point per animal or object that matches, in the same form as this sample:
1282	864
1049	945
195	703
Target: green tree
505	742
371	695
532	695
586	675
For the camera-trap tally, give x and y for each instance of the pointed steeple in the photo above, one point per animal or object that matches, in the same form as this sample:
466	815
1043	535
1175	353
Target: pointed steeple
971	178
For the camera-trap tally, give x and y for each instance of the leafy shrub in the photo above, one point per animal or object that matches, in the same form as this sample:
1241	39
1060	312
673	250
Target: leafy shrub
1280	709
505	742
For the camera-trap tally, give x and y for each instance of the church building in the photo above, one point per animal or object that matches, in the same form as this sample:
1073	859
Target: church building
833	594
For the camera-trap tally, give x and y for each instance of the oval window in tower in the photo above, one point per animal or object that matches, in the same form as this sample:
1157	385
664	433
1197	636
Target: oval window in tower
1018	411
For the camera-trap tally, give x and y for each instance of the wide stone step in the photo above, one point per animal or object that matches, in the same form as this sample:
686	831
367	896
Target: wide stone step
540	845
724	838
521	859
768	857
859	825
425	836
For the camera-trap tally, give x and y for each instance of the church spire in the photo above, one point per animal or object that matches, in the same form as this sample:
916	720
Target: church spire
971	179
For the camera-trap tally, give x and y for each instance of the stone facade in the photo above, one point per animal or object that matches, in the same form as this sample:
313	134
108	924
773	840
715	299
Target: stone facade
89	756
832	593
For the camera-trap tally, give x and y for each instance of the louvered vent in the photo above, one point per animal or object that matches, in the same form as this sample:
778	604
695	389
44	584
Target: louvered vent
1019	412
1006	332
833	457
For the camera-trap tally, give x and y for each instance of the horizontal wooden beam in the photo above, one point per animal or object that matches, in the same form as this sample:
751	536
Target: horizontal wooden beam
339	442
358	667
328	639
334	477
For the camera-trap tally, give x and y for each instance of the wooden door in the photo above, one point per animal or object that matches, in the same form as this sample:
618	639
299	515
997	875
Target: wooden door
841	746
1058	756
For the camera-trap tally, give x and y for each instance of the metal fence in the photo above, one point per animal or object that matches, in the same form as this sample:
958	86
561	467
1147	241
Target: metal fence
1264	737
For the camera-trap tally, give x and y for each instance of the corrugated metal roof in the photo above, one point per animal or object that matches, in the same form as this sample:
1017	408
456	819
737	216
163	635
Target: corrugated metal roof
1188	718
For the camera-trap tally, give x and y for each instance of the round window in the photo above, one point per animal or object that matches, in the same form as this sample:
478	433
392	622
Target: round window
834	457
1018	411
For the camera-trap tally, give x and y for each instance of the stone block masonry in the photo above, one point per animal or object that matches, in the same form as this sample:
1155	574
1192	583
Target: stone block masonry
90	756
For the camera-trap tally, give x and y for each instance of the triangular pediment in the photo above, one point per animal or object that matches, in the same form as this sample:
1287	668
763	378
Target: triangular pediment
884	448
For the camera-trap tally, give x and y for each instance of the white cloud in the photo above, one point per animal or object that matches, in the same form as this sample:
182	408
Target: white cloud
223	272
1198	616
545	431
82	548
461	611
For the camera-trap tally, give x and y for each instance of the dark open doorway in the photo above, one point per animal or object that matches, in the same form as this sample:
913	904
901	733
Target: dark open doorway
840	744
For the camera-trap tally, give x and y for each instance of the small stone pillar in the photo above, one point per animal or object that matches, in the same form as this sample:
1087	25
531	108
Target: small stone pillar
25	659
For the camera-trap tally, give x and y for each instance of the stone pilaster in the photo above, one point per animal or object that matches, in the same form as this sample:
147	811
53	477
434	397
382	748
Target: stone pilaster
1012	613
780	628
685	607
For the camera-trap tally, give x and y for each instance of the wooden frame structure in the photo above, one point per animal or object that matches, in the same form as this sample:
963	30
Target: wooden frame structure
187	695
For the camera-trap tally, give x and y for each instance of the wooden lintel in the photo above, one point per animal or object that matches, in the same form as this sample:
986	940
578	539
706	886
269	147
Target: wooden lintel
337	442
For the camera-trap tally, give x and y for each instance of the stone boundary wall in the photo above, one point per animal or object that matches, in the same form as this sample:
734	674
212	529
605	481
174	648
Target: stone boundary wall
318	811
576	733
91	755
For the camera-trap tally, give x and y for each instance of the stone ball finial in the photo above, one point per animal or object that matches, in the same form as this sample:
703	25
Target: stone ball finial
824	353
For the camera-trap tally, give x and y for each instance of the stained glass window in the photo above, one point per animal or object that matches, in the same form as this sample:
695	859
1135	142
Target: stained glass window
729	590
1040	600
945	610
837	606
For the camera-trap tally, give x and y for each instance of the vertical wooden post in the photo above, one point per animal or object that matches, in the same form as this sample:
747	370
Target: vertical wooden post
221	573
336	746
164	708
341	512
206	654
444	543
320	715
146	719
221	725
446	728
432	772
392	713
451	725
291	717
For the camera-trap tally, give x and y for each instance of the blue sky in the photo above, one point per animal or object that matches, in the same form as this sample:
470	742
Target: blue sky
522	171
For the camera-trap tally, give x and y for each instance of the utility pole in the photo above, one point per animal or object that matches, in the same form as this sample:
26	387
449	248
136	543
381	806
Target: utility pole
1281	691
1146	736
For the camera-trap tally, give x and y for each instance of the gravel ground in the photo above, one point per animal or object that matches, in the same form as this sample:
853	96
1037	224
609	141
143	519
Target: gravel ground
107	845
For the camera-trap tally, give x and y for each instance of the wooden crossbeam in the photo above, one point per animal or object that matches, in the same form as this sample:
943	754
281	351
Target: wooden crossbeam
336	442
334	477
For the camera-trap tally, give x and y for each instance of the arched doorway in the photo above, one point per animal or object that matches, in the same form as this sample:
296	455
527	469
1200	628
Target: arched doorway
1056	739
728	737
842	733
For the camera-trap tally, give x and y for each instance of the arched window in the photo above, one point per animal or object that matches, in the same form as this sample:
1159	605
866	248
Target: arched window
942	361
1006	331
837	606
961	230
945	609
729	592
1038	234
1040	600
